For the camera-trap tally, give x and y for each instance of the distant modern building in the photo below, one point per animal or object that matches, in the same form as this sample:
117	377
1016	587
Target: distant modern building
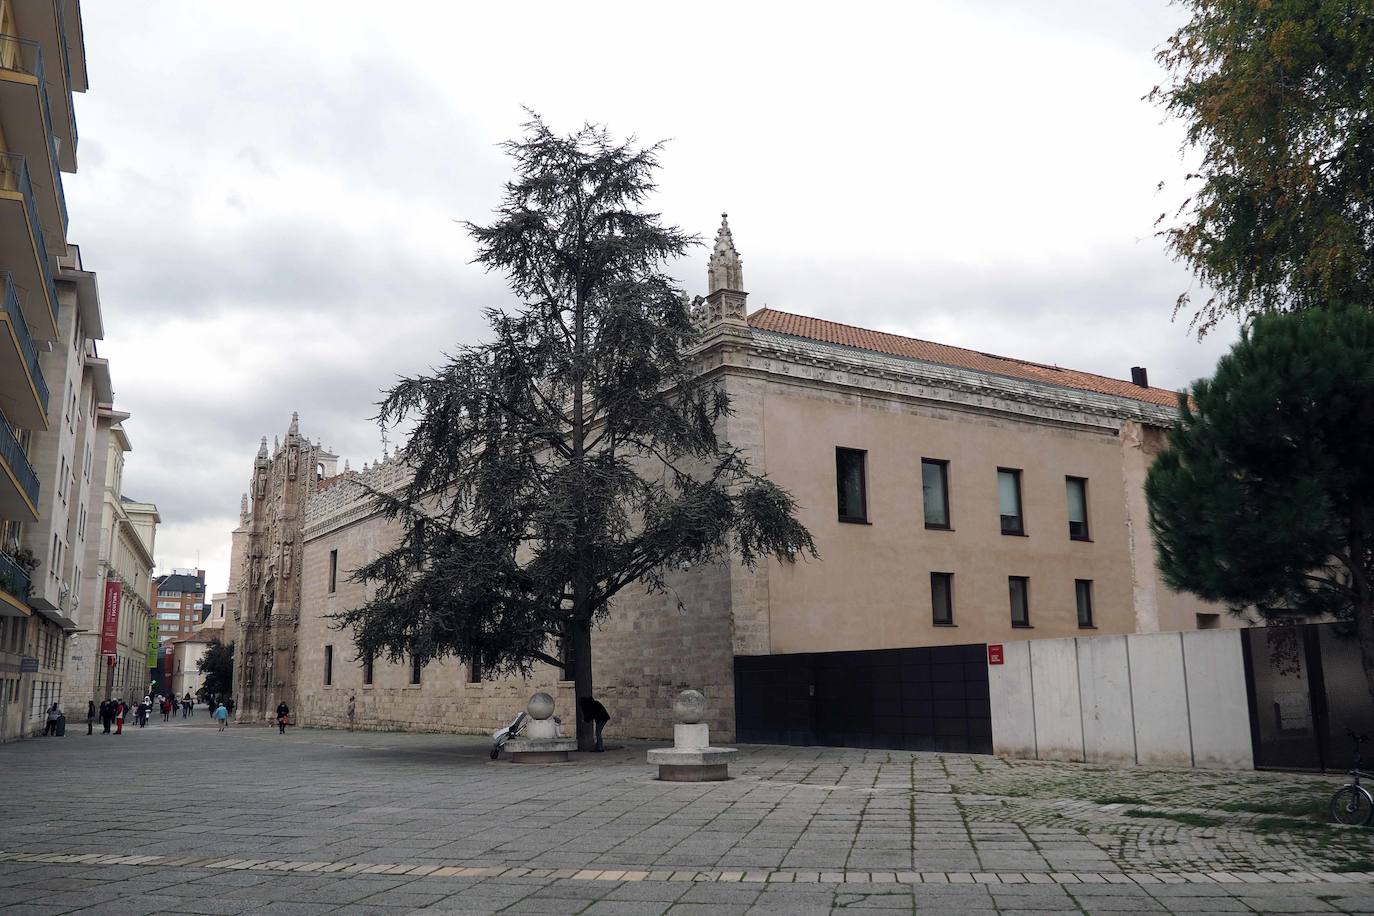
179	598
52	382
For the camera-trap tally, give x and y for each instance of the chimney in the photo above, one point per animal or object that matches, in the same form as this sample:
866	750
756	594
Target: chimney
1140	377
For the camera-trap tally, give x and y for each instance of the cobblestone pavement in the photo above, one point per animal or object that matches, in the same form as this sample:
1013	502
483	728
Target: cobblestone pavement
182	819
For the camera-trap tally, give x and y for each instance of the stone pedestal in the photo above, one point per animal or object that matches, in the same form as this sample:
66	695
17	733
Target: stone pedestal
540	743
691	758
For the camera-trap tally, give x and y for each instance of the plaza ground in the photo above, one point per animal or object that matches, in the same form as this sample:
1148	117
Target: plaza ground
178	818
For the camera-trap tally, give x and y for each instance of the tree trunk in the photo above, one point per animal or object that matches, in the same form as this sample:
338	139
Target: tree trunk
582	678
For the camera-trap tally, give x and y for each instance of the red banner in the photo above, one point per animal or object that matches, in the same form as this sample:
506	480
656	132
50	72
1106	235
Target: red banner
109	628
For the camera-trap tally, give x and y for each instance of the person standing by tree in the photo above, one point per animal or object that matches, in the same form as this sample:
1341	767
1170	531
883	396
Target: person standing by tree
574	455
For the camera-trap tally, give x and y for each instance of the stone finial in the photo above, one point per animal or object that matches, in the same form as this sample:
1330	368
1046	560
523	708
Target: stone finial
690	707
364	467
276	444
243	509
262	449
295	428
347	469
724	269
540	706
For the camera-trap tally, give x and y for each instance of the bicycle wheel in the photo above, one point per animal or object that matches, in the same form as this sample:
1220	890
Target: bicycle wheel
1351	805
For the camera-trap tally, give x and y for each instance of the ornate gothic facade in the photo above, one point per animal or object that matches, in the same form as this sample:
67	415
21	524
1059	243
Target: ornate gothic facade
266	571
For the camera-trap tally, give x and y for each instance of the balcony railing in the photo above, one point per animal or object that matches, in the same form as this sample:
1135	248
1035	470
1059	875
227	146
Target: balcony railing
14	579
14	176
24	56
21	329
14	456
66	65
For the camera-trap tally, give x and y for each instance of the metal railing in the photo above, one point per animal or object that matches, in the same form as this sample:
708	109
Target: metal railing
21	330
14	176
14	579
25	56
14	456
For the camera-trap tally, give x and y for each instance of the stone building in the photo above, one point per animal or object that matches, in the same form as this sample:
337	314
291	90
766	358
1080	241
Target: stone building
266	560
957	500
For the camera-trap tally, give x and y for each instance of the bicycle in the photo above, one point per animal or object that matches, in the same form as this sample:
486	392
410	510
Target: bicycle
1352	804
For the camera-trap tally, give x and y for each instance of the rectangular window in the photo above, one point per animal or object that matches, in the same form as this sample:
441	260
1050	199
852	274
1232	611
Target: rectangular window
328	665
942	599
414	670
367	670
935	491
1020	600
1009	500
850	484
1077	490
475	671
333	570
1083	590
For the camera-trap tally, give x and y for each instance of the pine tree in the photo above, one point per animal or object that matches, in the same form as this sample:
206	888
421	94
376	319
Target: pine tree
575	454
1266	496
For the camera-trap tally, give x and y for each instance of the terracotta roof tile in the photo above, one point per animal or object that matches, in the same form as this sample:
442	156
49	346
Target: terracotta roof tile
912	348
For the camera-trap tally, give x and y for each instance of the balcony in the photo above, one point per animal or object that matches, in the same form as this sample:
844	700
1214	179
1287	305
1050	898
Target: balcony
18	481
23	392
26	117
22	249
46	22
14	589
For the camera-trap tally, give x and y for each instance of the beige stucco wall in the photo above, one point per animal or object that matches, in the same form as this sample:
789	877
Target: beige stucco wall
871	587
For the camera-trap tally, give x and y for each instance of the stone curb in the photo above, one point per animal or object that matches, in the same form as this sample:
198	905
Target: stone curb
765	876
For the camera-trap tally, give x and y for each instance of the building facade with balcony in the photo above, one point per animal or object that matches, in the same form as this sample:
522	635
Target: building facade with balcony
51	380
179	603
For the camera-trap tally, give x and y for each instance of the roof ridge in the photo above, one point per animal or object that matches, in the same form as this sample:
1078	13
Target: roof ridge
834	332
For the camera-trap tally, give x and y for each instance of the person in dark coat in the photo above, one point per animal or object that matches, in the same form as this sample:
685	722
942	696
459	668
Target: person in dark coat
593	711
90	717
283	713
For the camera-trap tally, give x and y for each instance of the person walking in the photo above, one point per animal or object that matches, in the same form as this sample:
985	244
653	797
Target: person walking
188	704
50	728
120	709
166	709
593	711
90	717
283	717
221	715
352	710
106	716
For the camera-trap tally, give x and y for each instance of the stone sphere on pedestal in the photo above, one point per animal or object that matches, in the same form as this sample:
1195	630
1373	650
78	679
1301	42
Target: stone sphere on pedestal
690	707
540	706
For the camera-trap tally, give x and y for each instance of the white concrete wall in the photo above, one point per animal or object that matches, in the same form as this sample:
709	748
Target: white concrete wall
1013	707
1058	712
1161	699
1105	679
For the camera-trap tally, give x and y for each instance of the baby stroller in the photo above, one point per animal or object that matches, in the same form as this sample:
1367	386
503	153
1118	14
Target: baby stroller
502	735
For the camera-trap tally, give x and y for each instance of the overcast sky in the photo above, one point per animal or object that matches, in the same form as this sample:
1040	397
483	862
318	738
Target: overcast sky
270	192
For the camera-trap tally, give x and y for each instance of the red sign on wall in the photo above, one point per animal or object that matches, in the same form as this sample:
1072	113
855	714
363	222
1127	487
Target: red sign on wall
109	624
995	654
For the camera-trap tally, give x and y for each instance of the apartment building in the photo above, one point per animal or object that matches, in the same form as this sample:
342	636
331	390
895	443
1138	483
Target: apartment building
51	378
180	603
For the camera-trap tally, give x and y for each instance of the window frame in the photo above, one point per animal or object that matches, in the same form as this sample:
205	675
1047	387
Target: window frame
369	670
1024	623
1020	532
942	465
1082	482
862	518
1082	587
329	666
948	579
416	670
333	571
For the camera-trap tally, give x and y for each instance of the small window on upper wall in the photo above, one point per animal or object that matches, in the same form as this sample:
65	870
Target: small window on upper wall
1083	591
333	571
1077	491
367	669
942	599
1009	500
850	484
415	669
935	492
328	665
1019	588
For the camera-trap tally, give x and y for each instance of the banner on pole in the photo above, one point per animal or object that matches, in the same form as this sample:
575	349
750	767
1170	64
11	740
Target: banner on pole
109	627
